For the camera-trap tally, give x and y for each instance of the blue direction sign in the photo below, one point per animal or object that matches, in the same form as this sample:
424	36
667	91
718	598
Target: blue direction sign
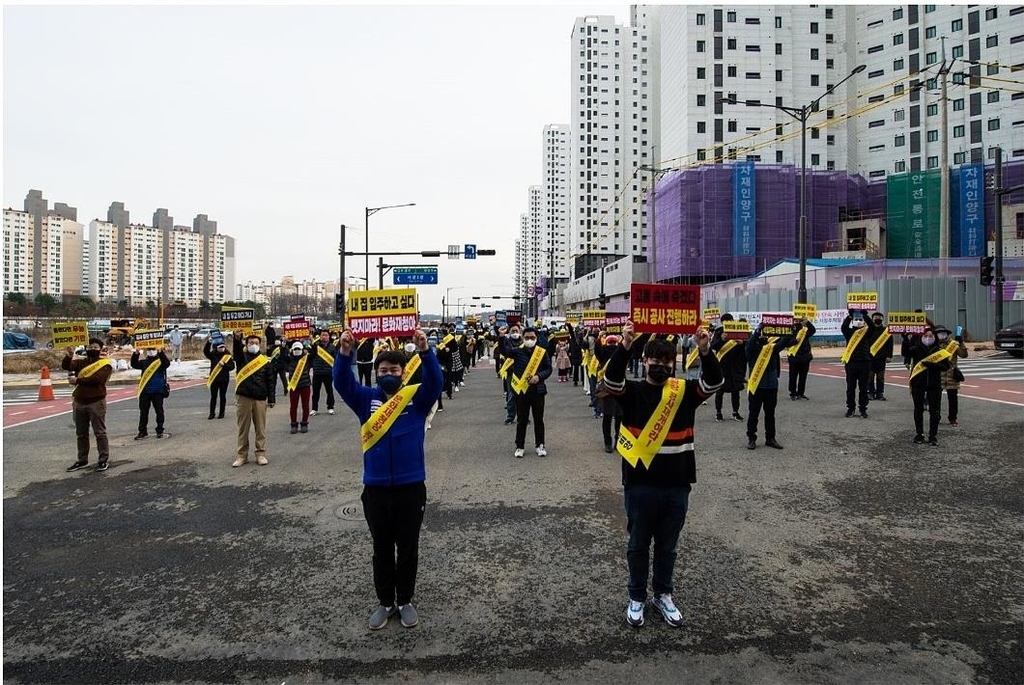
415	275
470	252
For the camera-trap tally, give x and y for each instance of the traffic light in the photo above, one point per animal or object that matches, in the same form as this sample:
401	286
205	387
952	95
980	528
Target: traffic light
987	270
339	303
602	300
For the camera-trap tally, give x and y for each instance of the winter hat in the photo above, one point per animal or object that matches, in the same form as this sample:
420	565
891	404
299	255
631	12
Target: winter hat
297	345
611	340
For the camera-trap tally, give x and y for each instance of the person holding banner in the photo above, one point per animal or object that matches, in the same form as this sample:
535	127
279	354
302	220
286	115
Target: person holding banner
799	357
394	495
323	366
255	383
656	442
298	367
221	366
763	384
88	402
953	376
153	388
860	333
502	365
929	360
531	366
732	357
881	354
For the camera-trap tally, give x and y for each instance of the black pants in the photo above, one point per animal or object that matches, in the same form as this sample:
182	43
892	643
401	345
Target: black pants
734	396
282	373
934	397
531	400
218	390
857	381
954	404
876	377
798	377
577	368
766	399
157	402
365	373
606	428
394	516
325	381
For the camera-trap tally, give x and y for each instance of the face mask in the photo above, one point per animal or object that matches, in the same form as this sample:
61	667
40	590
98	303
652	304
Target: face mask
389	384
530	342
253	349
410	348
296	353
150	353
878	322
941	337
222	350
432	342
514	336
92	354
857	323
928	340
659	374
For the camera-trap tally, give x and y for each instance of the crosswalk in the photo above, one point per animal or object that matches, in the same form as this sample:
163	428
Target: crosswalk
27	396
997	368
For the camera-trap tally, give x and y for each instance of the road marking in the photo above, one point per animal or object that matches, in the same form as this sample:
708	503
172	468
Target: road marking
1015	392
18	413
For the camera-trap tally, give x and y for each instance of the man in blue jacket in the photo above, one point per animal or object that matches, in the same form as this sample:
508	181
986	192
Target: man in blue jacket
531	366
152	388
393	419
763	384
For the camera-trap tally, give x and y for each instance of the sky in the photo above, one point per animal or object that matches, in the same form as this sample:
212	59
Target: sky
283	122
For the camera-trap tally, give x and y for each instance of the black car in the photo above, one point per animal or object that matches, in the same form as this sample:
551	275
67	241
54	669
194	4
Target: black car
1011	339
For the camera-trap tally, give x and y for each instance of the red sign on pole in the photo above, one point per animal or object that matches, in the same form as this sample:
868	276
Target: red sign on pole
656	308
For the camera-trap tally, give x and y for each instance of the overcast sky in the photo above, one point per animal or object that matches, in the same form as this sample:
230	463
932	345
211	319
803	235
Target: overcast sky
281	123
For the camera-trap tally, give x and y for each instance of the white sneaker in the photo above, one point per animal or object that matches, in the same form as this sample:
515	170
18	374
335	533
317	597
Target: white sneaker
587	391
456	388
463	383
668	609
519	453
635	613
331	411
313	413
542	451
239	461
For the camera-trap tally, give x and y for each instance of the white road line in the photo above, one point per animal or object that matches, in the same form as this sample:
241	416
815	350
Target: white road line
1015	392
18	413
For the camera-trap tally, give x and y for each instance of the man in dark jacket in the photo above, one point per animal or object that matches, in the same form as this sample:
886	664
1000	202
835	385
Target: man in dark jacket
364	360
531	366
928	361
322	356
394	467
152	388
271	335
298	364
799	357
881	354
575	354
731	354
255	382
763	384
221	365
859	332
89	401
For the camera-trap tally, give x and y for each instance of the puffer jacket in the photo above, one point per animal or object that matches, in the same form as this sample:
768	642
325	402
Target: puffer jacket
224	375
258	386
949	381
156	384
319	366
290	362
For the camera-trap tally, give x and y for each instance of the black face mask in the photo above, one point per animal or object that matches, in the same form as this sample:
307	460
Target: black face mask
659	374
92	354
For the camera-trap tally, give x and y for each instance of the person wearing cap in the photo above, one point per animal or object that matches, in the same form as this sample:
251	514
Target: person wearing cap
928	361
799	357
860	332
322	357
152	388
89	377
298	366
763	384
952	377
531	366
881	354
732	357
221	366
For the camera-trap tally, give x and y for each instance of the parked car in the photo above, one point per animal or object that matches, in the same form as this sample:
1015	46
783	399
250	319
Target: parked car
1011	339
203	334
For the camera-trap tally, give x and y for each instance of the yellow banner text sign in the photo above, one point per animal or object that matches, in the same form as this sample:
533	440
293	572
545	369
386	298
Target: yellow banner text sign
864	300
805	311
149	340
69	333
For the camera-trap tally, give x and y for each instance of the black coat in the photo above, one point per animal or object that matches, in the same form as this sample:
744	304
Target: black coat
734	363
214	356
260	385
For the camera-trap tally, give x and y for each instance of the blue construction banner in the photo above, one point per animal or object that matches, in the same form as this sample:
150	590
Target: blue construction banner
743	212
969	225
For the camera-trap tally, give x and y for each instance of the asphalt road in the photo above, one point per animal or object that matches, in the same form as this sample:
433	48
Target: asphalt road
850	556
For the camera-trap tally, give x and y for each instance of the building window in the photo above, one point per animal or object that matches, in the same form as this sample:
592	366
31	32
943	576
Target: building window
899	141
702	100
876	123
958	131
933	136
897	39
992	41
958	104
956	25
932	110
993	96
815	133
702	73
702	154
897	64
702	127
991	13
875	48
931	58
899	114
992	69
701	46
930	32
814	53
876	73
828	12
1017	10
700	19
933	162
958	51
753	48
928	9
778	74
815	160
815	80
993	124
897	13
732	126
778	22
778	48
900	166
730	72
1017	39
959	157
753	75
730	44
814	27
830	63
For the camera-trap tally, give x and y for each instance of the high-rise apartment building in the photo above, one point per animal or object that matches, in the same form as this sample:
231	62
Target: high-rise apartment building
557	198
44	255
19	252
535	256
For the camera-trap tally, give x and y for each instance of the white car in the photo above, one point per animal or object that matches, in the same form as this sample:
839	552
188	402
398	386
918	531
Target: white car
203	334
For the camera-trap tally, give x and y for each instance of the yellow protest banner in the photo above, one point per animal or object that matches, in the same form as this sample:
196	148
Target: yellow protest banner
69	333
573	317
712	313
148	340
805	311
912	323
862	300
239	319
736	330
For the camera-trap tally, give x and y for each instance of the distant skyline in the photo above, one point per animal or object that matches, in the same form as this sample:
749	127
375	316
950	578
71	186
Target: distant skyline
281	123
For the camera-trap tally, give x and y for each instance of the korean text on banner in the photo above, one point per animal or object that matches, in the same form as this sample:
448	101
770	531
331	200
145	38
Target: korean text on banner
239	319
970	214
613	323
593	318
383	313
738	330
711	313
69	333
777	324
862	300
573	317
513	316
296	329
743	210
149	340
805	311
912	323
658	308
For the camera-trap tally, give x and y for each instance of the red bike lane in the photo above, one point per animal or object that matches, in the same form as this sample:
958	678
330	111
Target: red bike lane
985	389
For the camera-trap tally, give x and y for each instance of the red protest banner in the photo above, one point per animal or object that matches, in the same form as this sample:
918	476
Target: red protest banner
656	308
513	316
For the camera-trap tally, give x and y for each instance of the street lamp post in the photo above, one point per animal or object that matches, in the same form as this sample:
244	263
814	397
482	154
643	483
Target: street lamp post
801	114
370	211
447	300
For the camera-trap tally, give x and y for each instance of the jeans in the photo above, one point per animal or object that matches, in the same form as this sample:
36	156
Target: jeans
510	402
394	516
934	397
325	381
857	380
798	377
157	402
767	399
531	400
658	514
94	414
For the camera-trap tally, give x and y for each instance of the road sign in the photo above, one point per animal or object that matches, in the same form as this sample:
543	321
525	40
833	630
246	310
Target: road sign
454	251
530	291
415	275
470	251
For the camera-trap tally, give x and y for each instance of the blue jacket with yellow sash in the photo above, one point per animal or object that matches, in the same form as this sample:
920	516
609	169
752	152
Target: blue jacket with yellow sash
398	457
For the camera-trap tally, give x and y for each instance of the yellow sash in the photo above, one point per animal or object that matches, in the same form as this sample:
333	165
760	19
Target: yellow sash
800	337
410	368
592	365
520	385
586	359
249	369
952	347
644	448
147	374
691	358
882	339
277	351
760	365
381	420
213	374
724	350
447	339
936	356
93	368
855	339
300	369
601	371
505	366
325	355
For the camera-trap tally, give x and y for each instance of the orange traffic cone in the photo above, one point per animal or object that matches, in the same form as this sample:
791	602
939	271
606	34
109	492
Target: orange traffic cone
45	386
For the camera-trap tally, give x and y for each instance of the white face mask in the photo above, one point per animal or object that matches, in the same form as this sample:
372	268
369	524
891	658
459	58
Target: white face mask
530	342
928	340
514	336
410	348
857	323
150	353
296	353
253	349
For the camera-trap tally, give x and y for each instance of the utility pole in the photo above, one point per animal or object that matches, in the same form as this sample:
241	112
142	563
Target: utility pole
944	170
341	276
997	178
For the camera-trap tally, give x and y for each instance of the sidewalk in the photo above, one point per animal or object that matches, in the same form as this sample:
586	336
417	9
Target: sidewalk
180	371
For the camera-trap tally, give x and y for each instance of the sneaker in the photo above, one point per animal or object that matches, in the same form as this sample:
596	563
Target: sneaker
881	398
519	453
102	466
313	413
719	417
141	436
849	413
933	441
210	417
509	422
162	435
77	465
863	414
752	445
379	617
953	423
635	613
463	384
407	612
261	460
294	429
440	409
918	439
774	444
736	416
668	610
542	451
793	398
805	397
239	461
331	412
303	427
